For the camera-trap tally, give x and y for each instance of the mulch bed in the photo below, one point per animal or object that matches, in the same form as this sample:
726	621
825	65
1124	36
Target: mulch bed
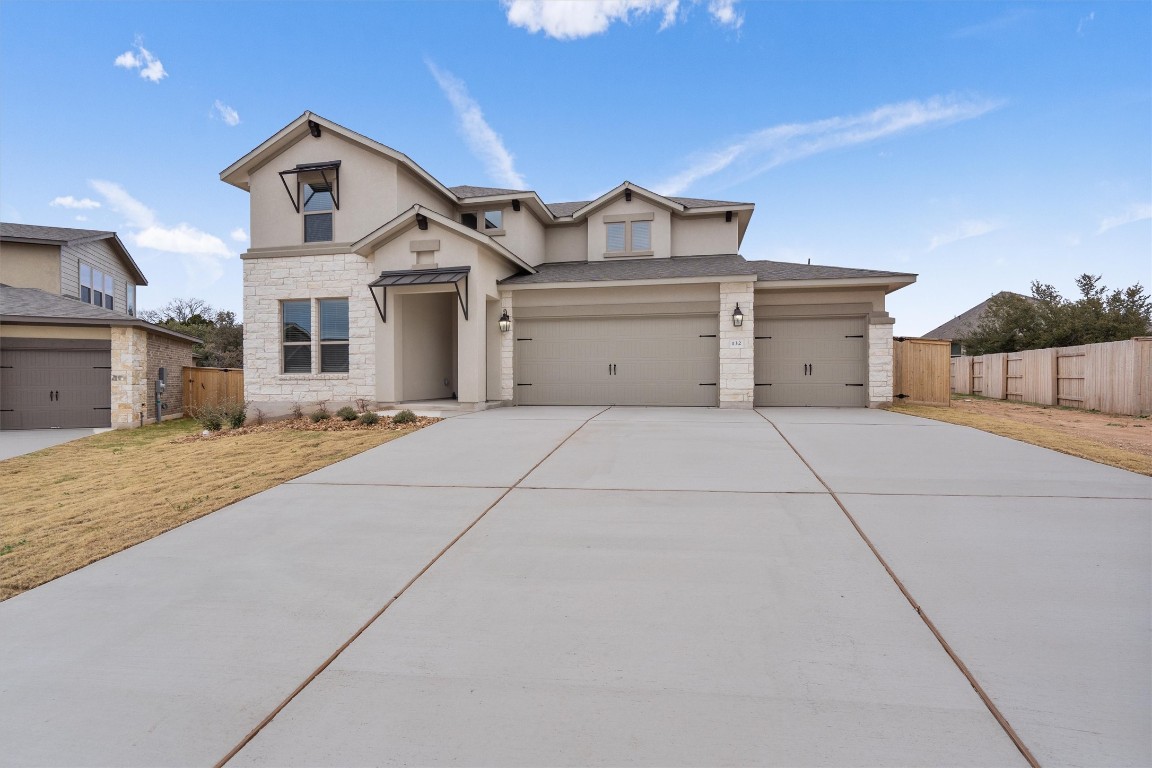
334	424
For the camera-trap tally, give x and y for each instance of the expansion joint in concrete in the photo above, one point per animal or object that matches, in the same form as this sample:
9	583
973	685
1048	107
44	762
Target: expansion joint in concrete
960	665
336	654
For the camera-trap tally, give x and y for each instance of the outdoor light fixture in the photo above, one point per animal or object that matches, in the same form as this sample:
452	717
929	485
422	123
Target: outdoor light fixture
505	322
728	216
314	129
627	195
515	205
421	221
737	317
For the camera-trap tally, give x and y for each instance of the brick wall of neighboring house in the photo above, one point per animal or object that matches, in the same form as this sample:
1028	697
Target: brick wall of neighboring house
271	280
172	355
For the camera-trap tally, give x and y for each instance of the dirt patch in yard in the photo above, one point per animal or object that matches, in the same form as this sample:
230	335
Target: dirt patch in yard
67	506
1119	441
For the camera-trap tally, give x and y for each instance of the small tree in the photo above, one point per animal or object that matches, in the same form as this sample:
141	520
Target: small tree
223	337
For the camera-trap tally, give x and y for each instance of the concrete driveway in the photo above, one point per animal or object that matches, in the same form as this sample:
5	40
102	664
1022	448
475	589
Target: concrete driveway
642	586
17	442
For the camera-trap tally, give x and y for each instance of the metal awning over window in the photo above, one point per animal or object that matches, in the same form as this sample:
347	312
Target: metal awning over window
325	169
405	277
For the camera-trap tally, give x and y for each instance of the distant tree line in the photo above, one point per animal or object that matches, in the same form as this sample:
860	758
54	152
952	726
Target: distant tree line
223	337
1013	323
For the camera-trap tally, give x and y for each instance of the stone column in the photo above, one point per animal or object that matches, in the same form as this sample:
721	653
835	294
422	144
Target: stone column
879	359
507	340
129	376
736	346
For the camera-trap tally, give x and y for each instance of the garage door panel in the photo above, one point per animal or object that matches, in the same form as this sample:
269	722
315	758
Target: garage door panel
633	360
47	388
811	361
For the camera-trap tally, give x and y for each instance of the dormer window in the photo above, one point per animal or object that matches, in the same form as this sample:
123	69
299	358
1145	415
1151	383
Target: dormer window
629	235
489	222
318	207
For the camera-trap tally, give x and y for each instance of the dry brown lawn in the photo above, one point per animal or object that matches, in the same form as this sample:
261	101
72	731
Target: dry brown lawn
1119	441
67	506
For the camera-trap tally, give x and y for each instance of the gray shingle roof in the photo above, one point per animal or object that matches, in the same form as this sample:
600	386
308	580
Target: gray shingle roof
687	266
635	269
786	270
963	324
566	209
699	202
52	234
35	303
465	191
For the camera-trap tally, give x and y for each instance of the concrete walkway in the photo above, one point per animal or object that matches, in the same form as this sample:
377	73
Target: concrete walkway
643	586
17	442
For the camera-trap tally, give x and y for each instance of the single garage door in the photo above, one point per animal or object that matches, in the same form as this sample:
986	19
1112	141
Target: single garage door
67	384
811	361
636	360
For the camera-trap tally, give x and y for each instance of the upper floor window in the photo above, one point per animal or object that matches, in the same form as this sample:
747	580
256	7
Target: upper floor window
628	235
130	298
96	287
318	206
491	222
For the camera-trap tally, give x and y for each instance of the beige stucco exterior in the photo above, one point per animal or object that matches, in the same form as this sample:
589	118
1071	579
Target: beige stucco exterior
394	217
30	265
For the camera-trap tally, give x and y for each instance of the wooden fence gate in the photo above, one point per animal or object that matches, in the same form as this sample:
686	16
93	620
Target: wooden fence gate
211	386
921	370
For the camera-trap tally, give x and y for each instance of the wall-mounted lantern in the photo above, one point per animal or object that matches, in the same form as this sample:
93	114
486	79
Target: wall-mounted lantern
737	317
505	322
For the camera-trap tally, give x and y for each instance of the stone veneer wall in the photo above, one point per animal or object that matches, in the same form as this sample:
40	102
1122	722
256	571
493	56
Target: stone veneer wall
267	282
737	388
129	375
507	380
173	355
879	359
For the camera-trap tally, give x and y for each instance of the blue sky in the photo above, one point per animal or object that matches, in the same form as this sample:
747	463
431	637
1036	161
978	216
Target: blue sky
980	145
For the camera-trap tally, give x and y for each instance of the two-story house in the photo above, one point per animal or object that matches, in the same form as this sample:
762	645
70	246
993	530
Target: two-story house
72	352
369	279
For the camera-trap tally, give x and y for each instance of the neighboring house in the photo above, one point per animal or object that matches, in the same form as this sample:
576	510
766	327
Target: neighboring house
369	279
72	352
960	327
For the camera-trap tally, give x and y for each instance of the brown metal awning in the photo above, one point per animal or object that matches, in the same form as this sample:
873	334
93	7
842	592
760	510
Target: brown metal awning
330	166
405	277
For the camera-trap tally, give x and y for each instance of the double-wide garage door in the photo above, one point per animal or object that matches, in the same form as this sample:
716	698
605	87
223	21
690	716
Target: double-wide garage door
630	360
811	361
68	384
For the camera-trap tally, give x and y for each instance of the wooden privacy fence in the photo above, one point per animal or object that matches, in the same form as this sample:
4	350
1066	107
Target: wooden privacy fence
1113	377
211	386
920	371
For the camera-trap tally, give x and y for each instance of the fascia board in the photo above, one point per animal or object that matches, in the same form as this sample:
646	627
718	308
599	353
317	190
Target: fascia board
889	284
628	283
618	191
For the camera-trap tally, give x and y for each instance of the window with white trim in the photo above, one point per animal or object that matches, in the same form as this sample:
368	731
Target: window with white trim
318	205
96	287
296	319
491	222
333	335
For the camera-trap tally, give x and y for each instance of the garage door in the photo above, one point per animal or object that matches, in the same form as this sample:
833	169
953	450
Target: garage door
67	385
811	361
647	360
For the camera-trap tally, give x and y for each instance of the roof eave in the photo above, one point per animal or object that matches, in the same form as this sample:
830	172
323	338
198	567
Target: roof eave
529	198
890	283
99	322
619	190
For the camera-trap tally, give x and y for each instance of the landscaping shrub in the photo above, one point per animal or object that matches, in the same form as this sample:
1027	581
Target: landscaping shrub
319	415
297	411
369	418
235	413
404	417
210	417
348	413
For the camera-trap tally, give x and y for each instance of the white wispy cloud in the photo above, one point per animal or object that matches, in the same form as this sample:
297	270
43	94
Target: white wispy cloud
963	231
1133	213
150	67
68	201
763	150
1084	22
81	218
484	142
239	235
575	19
225	113
996	26
200	251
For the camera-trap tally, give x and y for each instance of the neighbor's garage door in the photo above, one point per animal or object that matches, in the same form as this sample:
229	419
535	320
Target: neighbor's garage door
640	360
811	361
67	384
